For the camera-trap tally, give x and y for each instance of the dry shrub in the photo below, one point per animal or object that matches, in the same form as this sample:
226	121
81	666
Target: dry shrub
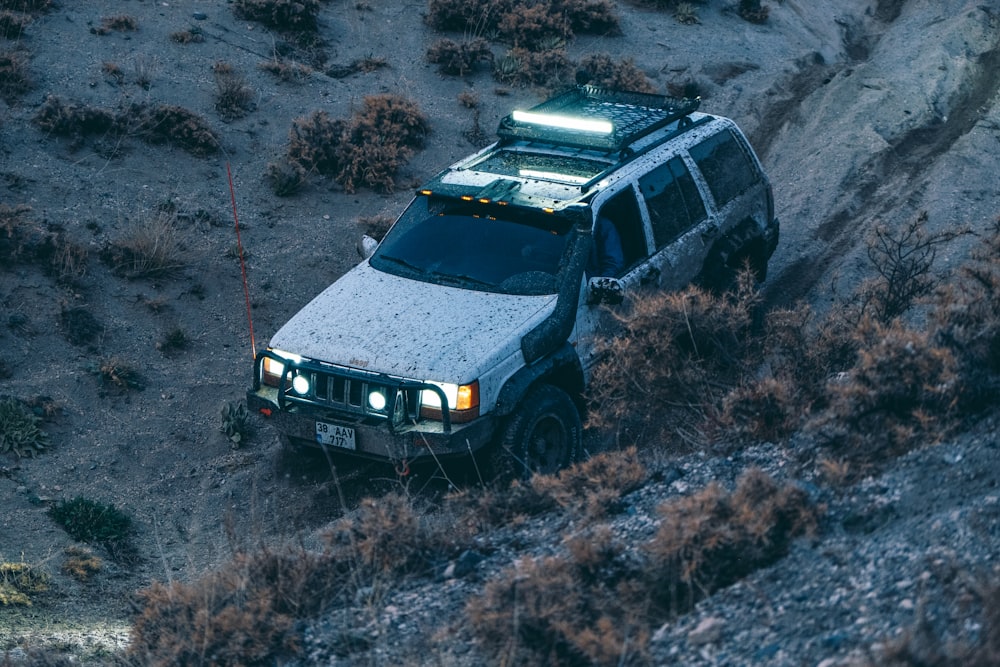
594	487
291	15
151	248
233	97
678	353
12	24
366	150
242	614
285	70
117	23
900	393
118	375
902	259
535	27
459	58
527	23
713	538
967	317
14	77
763	411
19	582
521	67
585	609
376	226
155	124
390	536
752	11
598	603
81	563
190	36
174	125
602	71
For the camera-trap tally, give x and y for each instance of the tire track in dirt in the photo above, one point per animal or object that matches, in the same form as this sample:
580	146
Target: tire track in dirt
889	176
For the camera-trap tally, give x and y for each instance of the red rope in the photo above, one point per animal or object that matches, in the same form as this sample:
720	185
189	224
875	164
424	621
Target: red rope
243	265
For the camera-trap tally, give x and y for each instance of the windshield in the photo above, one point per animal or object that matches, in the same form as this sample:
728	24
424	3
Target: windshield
479	247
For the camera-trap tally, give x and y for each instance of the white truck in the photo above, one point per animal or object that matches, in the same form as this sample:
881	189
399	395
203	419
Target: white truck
470	328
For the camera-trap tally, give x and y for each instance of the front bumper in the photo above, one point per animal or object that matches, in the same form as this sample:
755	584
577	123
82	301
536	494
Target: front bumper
373	438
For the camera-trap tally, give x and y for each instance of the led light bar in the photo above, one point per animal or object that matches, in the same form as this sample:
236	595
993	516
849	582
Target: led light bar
563	122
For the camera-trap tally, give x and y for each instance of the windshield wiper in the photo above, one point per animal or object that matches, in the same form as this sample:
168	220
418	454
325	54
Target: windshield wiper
402	262
460	279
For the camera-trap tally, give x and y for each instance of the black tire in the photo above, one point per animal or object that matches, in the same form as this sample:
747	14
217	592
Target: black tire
543	435
725	262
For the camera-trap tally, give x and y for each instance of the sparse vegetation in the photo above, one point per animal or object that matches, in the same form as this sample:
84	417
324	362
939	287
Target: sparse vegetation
19	582
151	248
753	11
119	375
601	70
81	563
155	124
236	422
459	58
365	151
290	15
598	606
20	430
97	523
173	341
117	23
285	70
15	79
233	97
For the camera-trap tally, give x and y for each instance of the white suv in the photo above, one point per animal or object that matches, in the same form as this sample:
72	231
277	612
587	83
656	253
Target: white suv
470	327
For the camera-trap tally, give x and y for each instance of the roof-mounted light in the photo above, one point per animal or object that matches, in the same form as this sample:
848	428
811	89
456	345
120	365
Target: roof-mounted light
552	176
563	122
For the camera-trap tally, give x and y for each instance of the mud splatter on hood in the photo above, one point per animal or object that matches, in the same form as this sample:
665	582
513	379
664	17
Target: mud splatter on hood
388	324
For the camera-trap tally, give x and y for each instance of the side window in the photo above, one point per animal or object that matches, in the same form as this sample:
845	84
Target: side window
725	166
673	200
623	211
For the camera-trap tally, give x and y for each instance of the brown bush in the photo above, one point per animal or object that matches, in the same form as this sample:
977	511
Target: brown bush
14	77
285	70
366	150
752	11
594	487
150	248
589	16
581	609
678	353
601	70
967	316
766	410
475	16
174	125
712	538
598	603
233	97
459	58
291	15
521	67
535	28
117	23
243	614
901	392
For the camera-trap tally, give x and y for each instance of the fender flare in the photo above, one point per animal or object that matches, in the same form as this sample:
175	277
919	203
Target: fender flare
562	368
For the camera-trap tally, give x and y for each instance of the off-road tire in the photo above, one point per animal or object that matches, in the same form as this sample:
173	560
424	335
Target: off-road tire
543	435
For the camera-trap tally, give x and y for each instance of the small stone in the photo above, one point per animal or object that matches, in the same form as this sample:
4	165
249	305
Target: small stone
199	16
708	631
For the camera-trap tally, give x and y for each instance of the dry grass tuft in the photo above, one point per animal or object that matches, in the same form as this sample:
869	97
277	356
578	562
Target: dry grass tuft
595	487
600	70
151	248
117	23
459	58
81	563
15	80
233	97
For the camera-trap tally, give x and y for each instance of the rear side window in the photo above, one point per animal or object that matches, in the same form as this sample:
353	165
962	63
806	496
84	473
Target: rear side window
725	166
673	201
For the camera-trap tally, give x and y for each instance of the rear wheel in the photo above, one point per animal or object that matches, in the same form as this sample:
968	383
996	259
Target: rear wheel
544	435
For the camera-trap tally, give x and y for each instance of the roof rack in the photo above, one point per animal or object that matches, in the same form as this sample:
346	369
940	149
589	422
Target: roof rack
595	118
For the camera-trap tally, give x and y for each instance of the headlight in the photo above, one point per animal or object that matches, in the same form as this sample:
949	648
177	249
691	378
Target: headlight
274	369
376	400
300	384
463	401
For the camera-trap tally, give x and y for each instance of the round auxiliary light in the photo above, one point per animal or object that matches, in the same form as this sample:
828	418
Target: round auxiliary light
376	400
301	385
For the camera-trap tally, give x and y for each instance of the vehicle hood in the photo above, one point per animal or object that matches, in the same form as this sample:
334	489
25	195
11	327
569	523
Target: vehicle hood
383	323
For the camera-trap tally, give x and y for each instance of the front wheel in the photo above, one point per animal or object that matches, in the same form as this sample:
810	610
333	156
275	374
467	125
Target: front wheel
544	435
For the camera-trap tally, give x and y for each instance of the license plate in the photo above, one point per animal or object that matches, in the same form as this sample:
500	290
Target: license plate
335	436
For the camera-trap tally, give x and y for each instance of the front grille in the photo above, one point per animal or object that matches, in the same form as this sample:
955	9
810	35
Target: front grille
350	391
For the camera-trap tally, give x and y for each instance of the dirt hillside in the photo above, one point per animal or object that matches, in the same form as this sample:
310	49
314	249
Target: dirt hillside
864	112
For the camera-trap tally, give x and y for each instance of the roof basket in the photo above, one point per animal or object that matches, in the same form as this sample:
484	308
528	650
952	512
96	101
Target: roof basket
591	117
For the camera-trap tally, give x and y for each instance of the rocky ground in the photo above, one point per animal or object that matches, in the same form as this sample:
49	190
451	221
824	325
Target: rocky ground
864	112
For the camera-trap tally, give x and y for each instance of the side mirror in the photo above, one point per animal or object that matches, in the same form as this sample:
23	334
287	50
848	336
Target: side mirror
366	247
601	289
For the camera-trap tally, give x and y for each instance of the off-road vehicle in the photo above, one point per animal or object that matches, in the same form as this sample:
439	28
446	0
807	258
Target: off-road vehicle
471	327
